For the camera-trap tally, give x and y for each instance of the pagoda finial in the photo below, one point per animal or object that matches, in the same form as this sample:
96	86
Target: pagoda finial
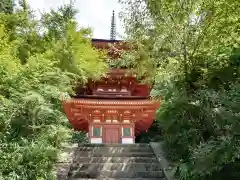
113	27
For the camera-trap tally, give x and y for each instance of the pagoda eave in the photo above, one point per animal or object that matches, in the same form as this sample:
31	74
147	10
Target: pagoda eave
82	111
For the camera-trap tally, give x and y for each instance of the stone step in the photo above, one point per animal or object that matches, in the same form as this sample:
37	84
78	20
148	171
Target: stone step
115	145
80	159
118	179
116	149
107	154
116	166
116	174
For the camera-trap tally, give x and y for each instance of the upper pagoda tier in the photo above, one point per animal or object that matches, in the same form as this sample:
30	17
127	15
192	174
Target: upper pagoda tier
116	83
105	44
113	47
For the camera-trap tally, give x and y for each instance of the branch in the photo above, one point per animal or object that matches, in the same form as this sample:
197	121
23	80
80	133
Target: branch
201	36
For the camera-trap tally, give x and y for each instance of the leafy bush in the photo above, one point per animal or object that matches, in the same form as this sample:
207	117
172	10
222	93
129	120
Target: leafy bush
35	69
194	49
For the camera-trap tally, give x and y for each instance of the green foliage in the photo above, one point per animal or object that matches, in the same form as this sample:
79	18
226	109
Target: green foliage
31	122
56	21
79	137
35	69
74	54
153	134
135	58
194	46
7	6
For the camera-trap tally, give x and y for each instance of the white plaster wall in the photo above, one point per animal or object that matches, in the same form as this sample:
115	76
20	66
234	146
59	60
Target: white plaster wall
96	140
97	120
127	141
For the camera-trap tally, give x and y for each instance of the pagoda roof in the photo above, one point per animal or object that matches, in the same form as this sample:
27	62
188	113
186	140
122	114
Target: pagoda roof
134	103
106	40
104	44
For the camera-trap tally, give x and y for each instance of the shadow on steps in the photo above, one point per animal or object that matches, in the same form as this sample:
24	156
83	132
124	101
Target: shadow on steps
136	161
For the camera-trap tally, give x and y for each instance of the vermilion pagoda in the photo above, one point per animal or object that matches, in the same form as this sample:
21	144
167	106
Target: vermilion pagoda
115	108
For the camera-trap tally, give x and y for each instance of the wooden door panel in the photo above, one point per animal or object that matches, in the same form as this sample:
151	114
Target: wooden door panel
111	135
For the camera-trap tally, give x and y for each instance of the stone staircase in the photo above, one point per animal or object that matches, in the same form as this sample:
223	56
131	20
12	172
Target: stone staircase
129	162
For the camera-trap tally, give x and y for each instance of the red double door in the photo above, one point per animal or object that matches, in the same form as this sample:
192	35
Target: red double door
111	134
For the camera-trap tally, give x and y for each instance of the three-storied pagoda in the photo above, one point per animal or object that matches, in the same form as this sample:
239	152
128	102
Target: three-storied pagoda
115	108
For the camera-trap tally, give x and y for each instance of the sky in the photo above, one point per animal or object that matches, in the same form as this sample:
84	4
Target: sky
92	13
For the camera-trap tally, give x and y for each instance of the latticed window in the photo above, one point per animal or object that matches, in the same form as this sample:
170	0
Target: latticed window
126	131
97	131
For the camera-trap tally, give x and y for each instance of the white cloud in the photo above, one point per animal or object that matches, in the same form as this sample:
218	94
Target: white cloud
92	13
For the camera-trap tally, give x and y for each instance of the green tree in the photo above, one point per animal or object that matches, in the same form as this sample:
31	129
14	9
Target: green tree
7	6
72	48
193	46
35	69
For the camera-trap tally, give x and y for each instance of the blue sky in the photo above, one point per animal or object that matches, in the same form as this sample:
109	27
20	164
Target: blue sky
92	13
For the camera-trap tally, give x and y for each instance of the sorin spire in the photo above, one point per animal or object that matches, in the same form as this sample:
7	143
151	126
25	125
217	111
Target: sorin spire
113	27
